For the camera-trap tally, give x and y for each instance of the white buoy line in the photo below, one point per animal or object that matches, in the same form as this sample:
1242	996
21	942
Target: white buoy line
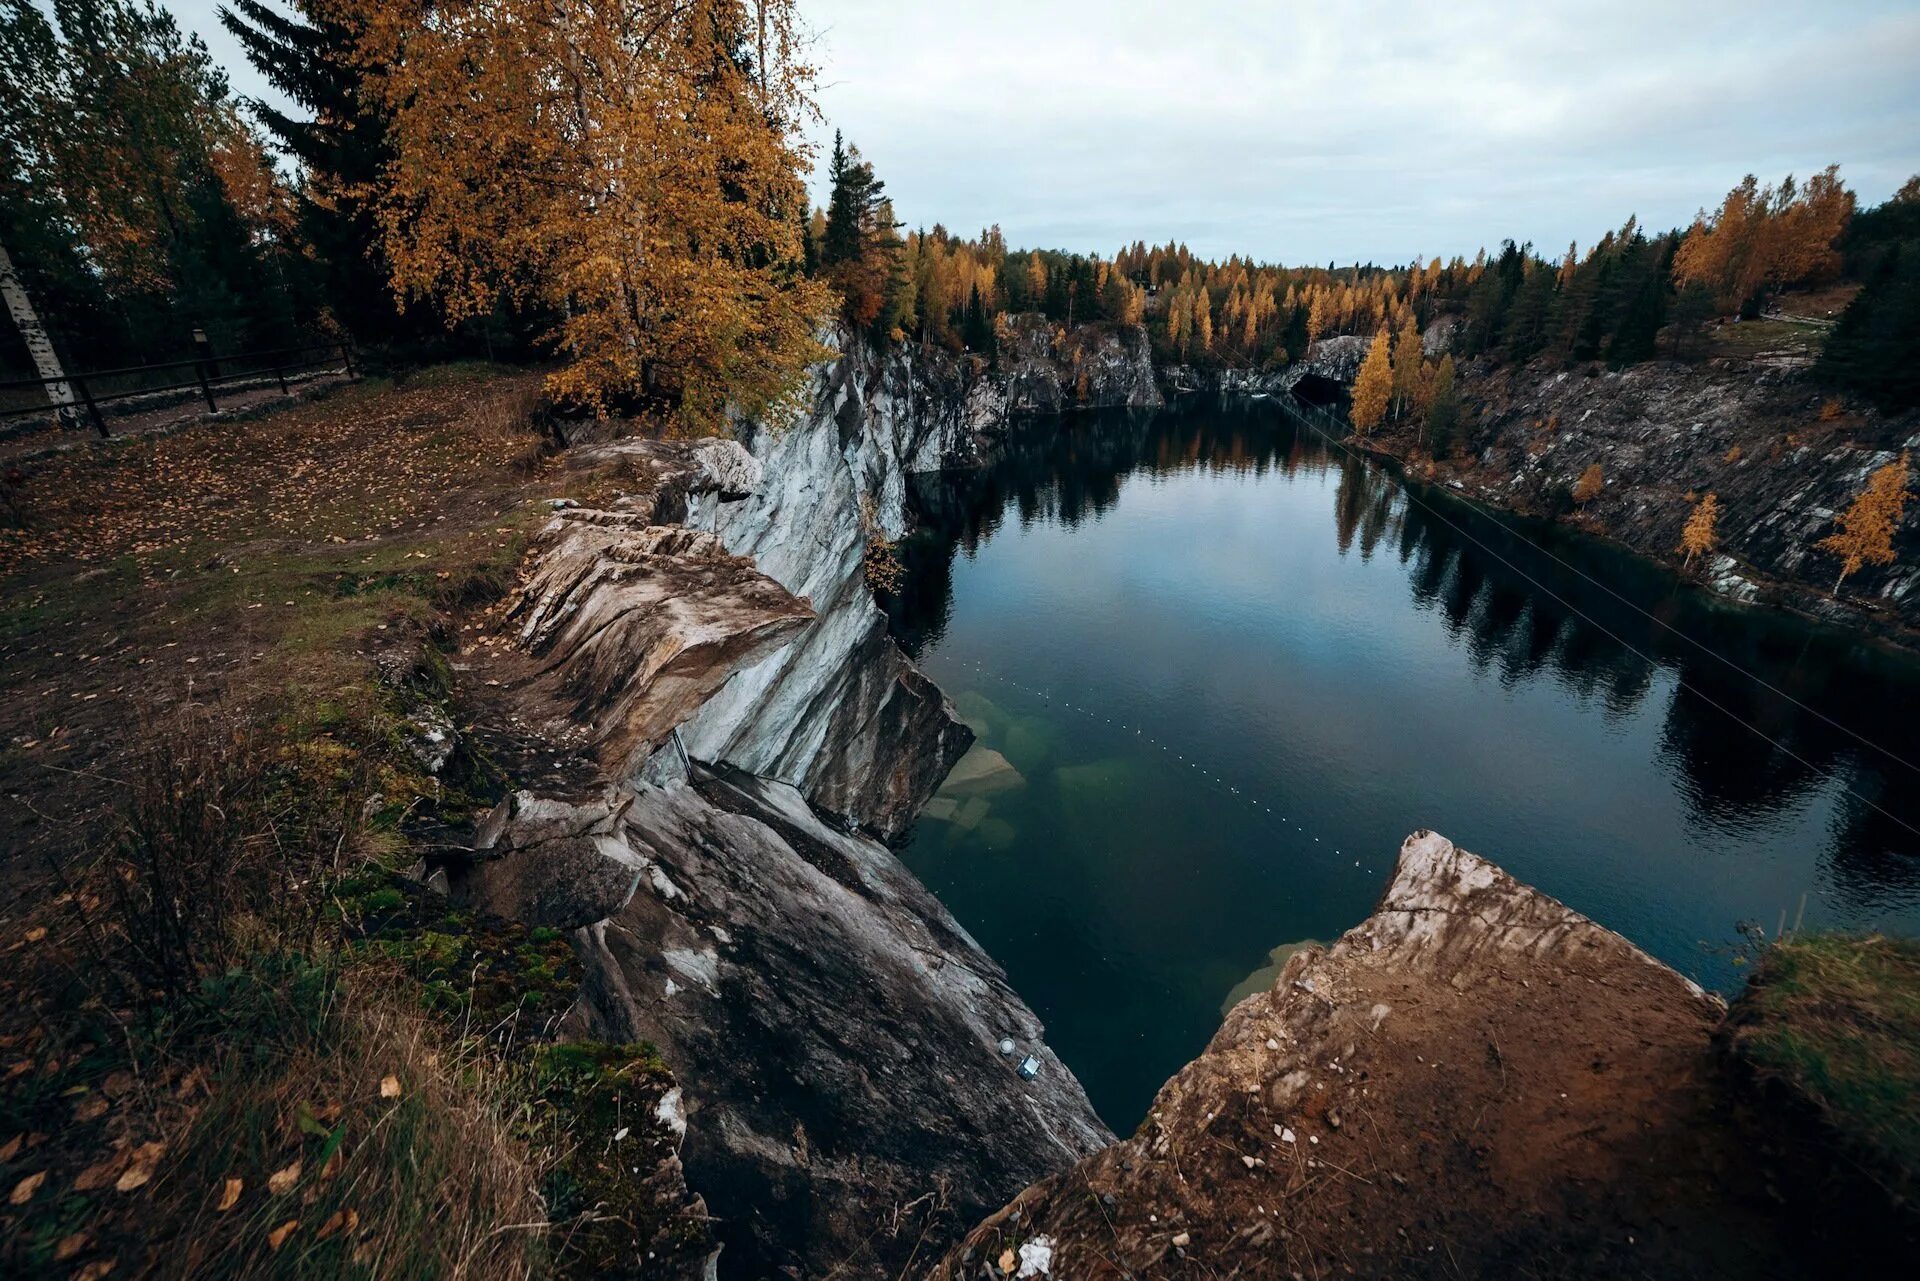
1262	808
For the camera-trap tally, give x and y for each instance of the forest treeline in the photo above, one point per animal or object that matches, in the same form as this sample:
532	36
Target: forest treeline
620	183
1632	296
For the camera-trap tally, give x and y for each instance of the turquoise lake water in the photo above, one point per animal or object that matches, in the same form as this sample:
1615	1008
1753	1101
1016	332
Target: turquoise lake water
1219	670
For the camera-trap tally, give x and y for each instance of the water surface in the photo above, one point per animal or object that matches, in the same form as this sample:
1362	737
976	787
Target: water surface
1226	669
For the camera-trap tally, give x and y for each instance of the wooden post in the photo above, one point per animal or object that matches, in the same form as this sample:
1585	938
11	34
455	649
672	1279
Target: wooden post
346	357
204	367
93	409
206	388
281	375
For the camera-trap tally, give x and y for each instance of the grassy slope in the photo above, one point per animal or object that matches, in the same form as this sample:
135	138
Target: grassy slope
1835	1020
232	1041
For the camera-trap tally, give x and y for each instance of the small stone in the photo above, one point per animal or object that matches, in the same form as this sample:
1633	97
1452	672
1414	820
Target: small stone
1182	1239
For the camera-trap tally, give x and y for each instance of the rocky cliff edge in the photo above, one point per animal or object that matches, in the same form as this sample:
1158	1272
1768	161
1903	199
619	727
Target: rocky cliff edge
1475	1081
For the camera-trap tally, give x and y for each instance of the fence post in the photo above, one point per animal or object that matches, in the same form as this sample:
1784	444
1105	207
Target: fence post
346	357
279	373
206	388
93	409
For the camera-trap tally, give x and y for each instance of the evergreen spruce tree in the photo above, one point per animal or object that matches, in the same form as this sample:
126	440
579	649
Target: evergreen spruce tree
310	56
1875	347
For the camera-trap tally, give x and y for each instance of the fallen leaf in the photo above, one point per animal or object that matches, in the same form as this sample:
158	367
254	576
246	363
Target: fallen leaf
342	1221
23	1191
389	1087
140	1173
280	1182
1007	1261
95	1270
97	1175
9	1148
69	1246
91	1108
229	1194
278	1237
37	933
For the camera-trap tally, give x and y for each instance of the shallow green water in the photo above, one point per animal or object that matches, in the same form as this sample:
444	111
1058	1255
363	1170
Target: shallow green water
1219	672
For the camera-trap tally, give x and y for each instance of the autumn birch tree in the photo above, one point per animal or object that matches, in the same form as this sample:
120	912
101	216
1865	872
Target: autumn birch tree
627	169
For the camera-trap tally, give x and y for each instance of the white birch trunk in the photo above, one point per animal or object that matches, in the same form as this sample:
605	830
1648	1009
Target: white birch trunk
34	334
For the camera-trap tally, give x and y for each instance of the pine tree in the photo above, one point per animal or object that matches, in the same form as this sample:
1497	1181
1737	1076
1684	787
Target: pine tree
310	56
860	253
1865	536
1373	387
1873	347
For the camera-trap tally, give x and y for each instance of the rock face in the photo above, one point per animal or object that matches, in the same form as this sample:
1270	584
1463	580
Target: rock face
1475	1081
635	625
1048	368
836	1031
1751	435
709	724
839	712
1333	360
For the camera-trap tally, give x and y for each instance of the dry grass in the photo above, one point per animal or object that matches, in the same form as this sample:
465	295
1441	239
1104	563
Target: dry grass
398	1148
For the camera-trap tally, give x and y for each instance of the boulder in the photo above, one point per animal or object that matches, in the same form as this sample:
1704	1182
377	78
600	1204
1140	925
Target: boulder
1474	1081
633	626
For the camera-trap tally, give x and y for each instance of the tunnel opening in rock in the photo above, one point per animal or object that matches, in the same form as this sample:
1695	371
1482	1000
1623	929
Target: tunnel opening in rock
1319	390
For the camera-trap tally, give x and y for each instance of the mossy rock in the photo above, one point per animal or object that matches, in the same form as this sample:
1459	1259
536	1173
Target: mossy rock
486	972
1824	1050
618	1188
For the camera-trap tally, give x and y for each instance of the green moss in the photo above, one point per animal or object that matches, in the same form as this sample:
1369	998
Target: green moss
596	1102
1836	1017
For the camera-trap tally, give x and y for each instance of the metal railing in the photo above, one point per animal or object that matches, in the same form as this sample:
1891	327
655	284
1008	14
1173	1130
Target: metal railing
80	396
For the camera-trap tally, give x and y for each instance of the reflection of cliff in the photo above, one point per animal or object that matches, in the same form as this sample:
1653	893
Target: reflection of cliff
1516	598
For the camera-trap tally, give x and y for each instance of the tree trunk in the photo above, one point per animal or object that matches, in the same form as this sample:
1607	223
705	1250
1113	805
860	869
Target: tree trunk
46	361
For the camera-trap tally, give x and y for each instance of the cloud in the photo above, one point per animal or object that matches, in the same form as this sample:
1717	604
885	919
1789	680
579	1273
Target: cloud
1342	130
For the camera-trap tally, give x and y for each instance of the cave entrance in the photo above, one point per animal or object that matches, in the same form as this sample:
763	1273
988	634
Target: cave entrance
1319	391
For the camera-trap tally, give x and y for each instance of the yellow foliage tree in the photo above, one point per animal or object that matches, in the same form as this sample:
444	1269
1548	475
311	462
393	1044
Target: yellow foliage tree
1408	360
1699	536
1373	388
630	168
1592	483
1866	529
1766	238
1202	322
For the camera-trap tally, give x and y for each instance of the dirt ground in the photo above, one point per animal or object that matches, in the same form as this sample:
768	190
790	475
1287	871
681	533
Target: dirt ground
226	559
1480	1089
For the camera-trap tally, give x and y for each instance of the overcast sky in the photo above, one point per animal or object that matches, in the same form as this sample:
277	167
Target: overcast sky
1369	130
